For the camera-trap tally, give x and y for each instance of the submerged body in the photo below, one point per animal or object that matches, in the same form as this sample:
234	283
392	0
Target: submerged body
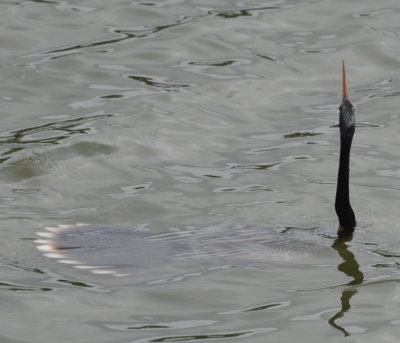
125	250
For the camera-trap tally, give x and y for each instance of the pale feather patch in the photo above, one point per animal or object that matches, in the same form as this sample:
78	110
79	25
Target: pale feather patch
45	234
54	255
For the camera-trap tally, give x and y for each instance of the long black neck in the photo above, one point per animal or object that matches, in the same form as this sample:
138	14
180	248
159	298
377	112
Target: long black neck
343	208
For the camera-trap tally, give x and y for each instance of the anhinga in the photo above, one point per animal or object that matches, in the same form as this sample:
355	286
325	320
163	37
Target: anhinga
347	123
125	249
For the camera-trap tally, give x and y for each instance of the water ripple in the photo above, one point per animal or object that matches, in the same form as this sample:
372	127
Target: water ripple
203	67
158	82
265	307
179	325
204	336
198	173
52	133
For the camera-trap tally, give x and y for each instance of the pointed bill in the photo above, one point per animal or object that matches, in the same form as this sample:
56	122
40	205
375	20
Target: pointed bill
344	85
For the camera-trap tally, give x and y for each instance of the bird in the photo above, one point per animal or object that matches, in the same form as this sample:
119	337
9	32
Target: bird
121	250
347	124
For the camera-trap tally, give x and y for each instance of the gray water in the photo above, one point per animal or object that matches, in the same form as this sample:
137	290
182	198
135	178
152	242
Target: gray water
189	115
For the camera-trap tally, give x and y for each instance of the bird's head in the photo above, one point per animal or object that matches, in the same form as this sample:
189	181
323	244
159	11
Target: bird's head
347	118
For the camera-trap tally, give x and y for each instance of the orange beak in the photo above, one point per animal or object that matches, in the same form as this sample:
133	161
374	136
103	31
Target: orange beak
344	85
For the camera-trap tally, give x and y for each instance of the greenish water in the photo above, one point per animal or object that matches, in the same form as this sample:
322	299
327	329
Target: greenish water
188	116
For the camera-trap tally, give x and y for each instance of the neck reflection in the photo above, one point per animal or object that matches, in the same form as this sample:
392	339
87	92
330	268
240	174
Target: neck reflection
351	268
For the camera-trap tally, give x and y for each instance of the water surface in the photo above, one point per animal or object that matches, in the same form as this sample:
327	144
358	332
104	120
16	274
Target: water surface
190	115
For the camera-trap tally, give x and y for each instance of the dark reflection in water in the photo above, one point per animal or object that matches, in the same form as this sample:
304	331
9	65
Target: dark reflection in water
8	286
143	32
301	134
351	268
150	81
50	133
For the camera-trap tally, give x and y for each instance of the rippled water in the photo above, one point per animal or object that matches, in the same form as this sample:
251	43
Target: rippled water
198	117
